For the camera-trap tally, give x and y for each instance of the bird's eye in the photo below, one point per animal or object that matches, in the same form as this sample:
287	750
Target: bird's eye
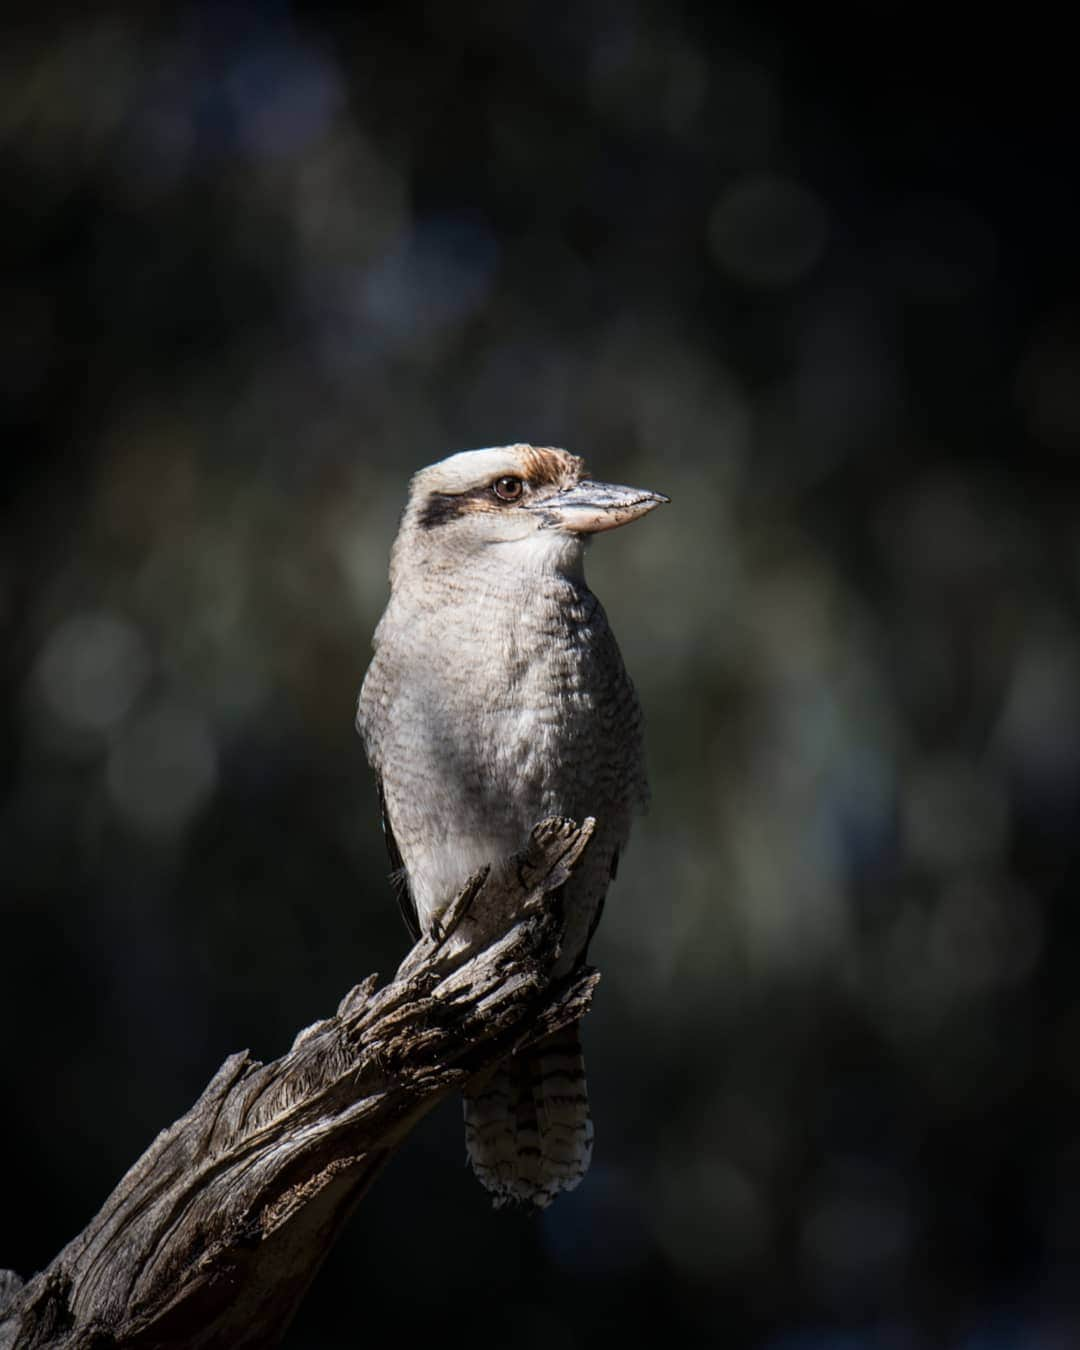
507	489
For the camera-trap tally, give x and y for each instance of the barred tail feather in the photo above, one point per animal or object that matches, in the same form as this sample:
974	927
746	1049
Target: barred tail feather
528	1131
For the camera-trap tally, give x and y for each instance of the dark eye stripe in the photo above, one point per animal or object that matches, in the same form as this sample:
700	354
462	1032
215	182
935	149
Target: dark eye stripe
441	508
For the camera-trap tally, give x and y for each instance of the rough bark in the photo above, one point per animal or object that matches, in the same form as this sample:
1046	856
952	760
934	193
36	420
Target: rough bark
214	1235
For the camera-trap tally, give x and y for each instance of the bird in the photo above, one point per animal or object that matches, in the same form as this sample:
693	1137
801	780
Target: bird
497	696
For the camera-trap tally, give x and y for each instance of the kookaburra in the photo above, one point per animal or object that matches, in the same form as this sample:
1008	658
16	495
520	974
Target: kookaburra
496	697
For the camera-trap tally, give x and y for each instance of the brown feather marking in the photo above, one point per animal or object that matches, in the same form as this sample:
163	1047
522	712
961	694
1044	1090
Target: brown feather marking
548	466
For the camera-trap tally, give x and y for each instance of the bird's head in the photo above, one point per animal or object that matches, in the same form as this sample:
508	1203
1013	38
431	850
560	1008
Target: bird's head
520	505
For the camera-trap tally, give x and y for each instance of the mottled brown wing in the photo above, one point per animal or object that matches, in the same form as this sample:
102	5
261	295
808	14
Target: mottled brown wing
399	878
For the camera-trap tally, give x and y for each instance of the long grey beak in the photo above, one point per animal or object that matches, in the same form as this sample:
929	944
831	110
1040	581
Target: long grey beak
588	507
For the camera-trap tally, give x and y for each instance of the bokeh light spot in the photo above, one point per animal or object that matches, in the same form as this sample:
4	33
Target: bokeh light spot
712	1217
163	770
857	1229
768	231
90	671
434	278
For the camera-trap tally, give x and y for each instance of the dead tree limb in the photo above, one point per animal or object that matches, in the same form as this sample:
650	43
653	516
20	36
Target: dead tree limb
213	1237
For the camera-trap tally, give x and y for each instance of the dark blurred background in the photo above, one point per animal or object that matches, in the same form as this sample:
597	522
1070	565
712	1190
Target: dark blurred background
814	278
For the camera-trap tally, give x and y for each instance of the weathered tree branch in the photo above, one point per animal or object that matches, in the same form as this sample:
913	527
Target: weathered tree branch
213	1237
